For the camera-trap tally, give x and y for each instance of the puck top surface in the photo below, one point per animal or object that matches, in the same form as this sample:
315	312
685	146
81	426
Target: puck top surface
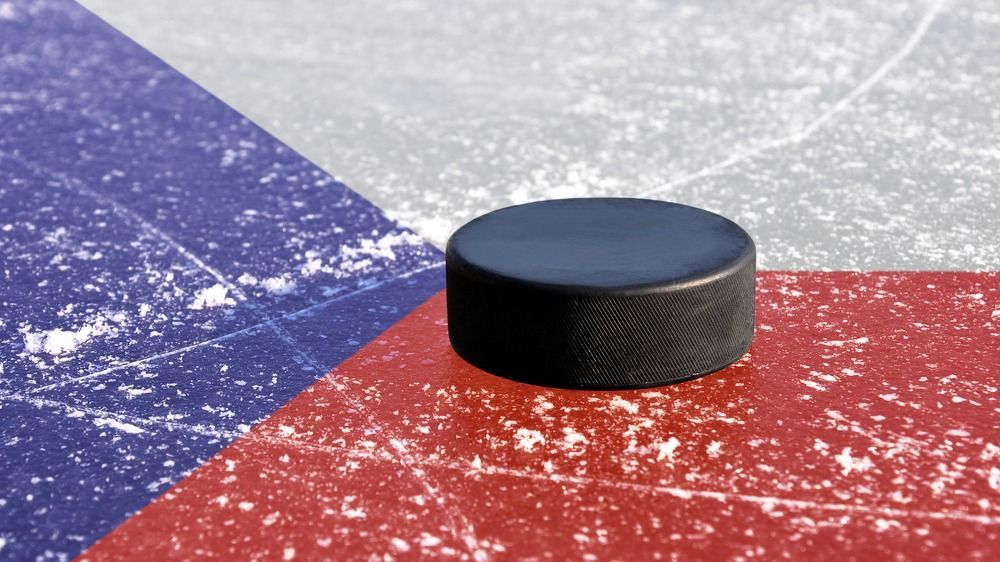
600	245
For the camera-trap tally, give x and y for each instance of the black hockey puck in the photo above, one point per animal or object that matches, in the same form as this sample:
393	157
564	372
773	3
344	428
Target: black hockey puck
601	293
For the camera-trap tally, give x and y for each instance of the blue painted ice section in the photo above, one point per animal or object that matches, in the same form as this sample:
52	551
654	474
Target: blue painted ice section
169	275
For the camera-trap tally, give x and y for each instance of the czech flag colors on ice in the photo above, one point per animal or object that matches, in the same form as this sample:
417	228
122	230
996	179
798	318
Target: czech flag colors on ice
212	348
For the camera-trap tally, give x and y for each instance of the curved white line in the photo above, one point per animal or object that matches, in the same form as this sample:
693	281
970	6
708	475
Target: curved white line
809	129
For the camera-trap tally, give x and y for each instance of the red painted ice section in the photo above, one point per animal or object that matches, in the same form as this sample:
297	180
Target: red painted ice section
862	425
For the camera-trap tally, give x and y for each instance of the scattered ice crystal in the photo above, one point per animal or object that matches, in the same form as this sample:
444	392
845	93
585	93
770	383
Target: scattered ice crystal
212	297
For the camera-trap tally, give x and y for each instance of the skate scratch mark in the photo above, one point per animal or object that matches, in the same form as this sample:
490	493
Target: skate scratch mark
809	129
219	339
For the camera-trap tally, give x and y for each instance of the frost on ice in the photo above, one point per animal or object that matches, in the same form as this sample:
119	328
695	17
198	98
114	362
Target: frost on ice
842	343
850	464
120	426
528	438
279	285
61	342
994	478
381	248
714	449
349	260
7	12
573	437
630	407
665	450
212	297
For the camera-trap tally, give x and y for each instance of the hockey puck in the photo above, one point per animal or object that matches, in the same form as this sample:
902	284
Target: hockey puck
600	292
